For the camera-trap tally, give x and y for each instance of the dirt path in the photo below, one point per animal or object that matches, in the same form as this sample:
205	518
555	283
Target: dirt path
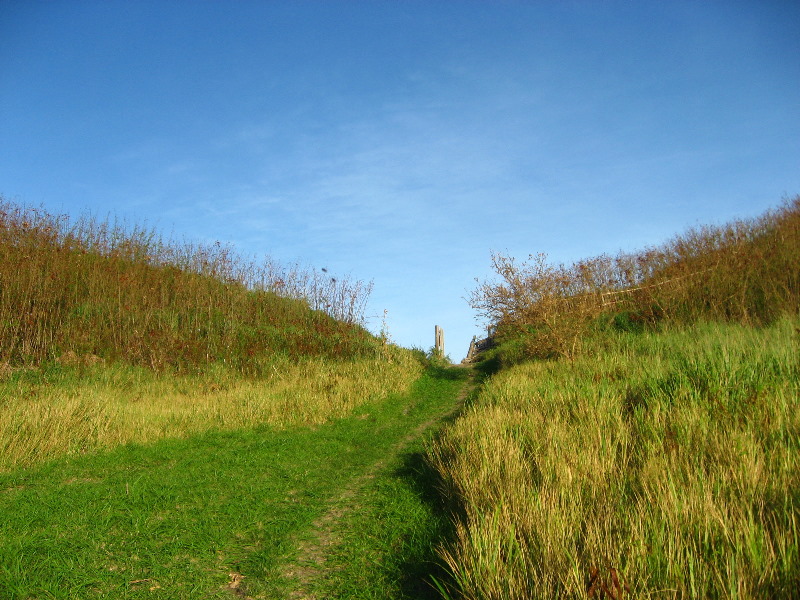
309	563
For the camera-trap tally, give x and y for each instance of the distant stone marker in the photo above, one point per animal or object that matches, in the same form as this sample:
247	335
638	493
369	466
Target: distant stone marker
439	343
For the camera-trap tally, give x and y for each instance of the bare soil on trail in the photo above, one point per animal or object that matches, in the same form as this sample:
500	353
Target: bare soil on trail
309	564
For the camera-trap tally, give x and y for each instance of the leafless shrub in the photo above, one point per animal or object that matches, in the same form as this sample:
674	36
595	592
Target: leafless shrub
746	271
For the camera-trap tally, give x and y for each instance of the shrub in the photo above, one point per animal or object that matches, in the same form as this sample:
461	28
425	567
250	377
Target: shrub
746	272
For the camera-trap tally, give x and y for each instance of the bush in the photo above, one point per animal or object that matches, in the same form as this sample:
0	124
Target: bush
745	272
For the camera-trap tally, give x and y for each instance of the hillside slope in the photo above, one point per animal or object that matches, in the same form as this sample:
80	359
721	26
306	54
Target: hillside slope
119	292
110	334
638	433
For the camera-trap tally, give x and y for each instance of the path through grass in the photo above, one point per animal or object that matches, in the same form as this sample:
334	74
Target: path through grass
219	515
380	536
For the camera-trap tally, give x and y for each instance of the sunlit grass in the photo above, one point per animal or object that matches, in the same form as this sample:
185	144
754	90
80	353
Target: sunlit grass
220	514
80	409
122	292
672	459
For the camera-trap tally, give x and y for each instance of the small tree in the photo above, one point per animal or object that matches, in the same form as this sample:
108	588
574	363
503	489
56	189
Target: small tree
552	304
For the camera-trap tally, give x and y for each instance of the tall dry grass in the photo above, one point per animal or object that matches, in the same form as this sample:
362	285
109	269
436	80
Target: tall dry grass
669	462
82	408
746	271
111	334
122	292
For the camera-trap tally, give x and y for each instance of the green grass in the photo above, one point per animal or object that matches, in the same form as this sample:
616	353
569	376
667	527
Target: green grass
179	422
66	409
672	458
386	546
182	518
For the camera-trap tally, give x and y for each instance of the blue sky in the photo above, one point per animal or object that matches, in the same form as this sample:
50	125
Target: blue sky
402	142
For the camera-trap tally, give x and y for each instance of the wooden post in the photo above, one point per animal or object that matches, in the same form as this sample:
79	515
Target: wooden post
473	349
439	343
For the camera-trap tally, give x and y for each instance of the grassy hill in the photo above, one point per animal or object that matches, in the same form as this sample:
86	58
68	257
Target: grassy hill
111	334
177	422
175	419
639	434
744	272
121	292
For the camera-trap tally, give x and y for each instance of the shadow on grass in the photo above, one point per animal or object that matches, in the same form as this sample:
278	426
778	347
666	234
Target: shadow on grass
423	563
488	366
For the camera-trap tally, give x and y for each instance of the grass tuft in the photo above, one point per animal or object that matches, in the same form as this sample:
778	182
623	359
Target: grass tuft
664	464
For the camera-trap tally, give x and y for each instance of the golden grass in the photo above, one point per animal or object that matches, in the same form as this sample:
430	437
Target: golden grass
82	409
670	462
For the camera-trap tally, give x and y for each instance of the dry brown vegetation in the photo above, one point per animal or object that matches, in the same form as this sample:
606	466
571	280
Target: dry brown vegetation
747	271
122	292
